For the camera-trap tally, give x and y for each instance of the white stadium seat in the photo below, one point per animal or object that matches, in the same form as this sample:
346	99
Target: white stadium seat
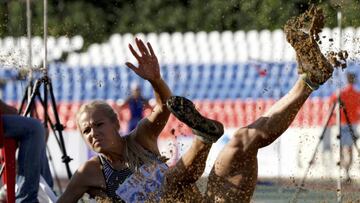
216	48
325	37
227	41
241	47
77	43
115	40
166	55
192	48
335	37
253	43
73	60
128	38
107	56
192	55
357	37
64	43
202	45
153	39
349	41
9	42
278	45
178	47
84	59
265	46
141	36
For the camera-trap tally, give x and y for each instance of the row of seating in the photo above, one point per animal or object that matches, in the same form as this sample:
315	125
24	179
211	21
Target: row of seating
232	113
178	48
202	81
211	47
11	47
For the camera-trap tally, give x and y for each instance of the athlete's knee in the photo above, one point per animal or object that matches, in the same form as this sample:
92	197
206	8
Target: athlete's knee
243	140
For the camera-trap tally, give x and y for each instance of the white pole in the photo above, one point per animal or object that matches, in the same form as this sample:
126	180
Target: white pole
28	16
45	38
338	116
29	61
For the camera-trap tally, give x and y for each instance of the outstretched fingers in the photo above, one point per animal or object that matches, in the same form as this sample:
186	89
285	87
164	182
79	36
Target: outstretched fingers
132	67
151	49
141	46
136	55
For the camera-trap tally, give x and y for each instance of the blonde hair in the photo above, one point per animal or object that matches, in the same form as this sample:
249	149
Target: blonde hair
135	155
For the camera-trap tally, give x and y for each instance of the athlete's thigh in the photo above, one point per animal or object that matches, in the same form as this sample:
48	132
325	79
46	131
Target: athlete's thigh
233	176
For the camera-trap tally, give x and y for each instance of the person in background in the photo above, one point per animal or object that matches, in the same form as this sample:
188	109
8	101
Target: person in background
32	160
136	104
350	100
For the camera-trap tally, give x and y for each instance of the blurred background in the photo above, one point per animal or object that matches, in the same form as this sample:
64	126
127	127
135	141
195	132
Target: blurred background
230	57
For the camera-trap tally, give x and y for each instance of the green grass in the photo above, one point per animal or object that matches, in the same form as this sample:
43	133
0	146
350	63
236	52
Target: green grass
279	194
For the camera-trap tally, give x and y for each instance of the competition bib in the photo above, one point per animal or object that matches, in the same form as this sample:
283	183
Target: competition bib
144	184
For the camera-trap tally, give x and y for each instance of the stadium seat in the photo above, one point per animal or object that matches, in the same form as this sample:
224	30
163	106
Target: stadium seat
108	57
9	43
141	36
289	53
203	47
73	59
77	43
278	44
153	39
166	54
240	113
95	54
350	44
216	48
64	43
266	51
192	56
241	46
260	107
325	37
253	44
228	45
85	60
230	111
174	48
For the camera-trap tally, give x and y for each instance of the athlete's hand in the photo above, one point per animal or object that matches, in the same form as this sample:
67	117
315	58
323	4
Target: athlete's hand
148	67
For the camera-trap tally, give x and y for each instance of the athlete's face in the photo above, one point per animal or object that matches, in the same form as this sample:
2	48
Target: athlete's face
99	132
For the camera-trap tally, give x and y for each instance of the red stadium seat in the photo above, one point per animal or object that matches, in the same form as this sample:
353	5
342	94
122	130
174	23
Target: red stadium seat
260	107
317	105
250	111
8	170
219	111
74	108
229	110
207	108
240	113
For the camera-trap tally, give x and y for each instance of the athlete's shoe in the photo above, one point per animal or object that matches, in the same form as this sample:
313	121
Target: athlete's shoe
183	109
302	33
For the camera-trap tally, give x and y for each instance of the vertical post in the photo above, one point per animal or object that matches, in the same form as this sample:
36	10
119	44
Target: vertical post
338	116
29	59
46	115
45	38
28	16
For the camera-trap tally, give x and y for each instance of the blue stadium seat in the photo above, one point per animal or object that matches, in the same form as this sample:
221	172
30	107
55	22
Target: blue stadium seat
113	80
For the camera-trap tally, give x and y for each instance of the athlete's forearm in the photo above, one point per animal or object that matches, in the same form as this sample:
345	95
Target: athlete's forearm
161	90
